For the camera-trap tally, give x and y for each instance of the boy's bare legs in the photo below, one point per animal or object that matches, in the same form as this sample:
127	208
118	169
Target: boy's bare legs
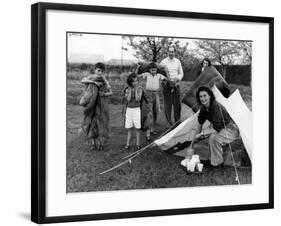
153	127
93	143
148	134
138	137
129	137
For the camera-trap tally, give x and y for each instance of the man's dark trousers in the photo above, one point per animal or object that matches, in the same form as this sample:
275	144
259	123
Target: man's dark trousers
172	98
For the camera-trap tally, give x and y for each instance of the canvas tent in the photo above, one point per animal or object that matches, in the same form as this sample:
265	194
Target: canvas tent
237	109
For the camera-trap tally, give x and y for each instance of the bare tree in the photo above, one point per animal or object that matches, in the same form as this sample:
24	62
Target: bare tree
154	48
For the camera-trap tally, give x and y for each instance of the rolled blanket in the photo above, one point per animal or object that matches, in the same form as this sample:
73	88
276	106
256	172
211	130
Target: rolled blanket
93	79
89	81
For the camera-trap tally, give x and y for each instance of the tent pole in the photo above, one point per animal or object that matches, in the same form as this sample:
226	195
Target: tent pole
234	164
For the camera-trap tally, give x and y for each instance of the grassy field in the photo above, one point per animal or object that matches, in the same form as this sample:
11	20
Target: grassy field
152	169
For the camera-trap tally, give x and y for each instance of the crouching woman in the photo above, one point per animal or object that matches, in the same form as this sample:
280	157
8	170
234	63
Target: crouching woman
224	129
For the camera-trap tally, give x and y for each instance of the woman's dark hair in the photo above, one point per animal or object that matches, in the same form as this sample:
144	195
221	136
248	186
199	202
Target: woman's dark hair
206	89
131	79
206	59
100	66
152	65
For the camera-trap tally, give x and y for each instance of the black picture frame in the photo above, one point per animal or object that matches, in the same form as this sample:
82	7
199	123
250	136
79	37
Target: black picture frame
38	110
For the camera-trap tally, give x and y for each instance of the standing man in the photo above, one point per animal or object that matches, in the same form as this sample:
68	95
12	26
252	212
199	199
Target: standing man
171	89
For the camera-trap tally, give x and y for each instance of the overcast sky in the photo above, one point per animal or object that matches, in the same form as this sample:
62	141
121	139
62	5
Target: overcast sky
107	45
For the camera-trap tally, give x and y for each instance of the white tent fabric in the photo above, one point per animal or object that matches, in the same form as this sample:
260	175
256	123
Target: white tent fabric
237	109
241	115
183	132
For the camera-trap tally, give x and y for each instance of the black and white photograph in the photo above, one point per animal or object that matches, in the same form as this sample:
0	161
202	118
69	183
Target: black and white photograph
148	112
155	112
132	113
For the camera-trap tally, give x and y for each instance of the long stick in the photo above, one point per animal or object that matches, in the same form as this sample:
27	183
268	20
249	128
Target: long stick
136	153
147	146
118	165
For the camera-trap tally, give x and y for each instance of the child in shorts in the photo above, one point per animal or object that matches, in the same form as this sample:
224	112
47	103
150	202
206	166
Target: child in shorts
133	94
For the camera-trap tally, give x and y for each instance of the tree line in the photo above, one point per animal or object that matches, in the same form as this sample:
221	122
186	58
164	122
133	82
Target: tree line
220	52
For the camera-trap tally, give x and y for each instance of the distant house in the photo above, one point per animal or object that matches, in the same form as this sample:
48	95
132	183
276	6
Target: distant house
119	62
85	58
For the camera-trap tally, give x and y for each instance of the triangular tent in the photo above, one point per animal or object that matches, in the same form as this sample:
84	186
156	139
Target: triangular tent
237	109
